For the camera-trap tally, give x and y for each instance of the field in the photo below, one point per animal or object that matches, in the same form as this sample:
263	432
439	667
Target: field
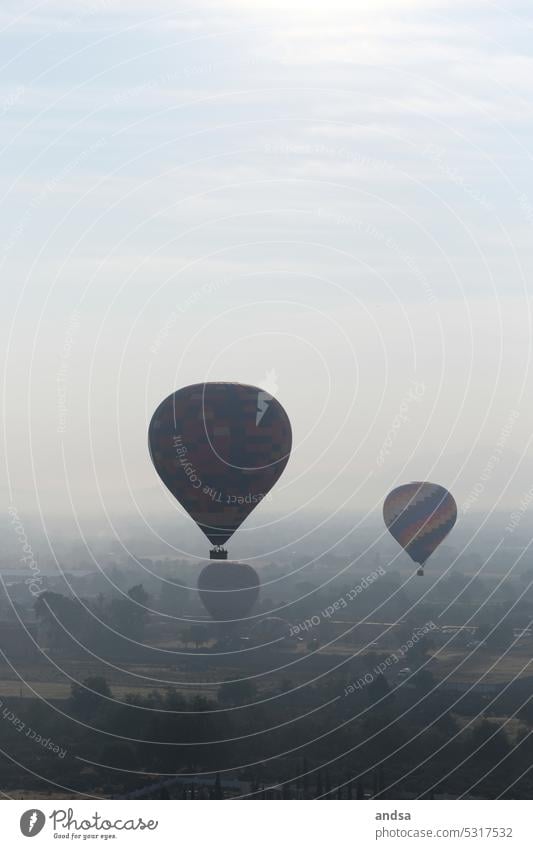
201	676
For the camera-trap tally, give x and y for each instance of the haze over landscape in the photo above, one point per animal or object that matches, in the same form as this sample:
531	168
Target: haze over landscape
336	204
332	203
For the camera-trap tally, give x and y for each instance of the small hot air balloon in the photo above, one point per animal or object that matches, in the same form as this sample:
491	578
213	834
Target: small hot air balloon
419	516
228	590
219	448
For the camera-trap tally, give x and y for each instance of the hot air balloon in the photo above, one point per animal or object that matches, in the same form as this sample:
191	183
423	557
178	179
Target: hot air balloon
419	516
219	448
228	590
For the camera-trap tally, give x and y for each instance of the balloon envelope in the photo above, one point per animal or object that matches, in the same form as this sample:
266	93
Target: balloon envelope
228	590
219	448
419	516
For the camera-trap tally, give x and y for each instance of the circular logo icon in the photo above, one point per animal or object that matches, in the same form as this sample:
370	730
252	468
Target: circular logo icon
32	822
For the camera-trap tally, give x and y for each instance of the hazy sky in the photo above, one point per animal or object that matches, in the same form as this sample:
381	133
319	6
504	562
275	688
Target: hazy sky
332	199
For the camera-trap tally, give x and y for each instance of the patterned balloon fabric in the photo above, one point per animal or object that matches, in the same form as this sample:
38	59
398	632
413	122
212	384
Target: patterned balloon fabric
419	516
220	448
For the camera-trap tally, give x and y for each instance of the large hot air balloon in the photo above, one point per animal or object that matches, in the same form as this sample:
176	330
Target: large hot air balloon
419	516
219	448
228	590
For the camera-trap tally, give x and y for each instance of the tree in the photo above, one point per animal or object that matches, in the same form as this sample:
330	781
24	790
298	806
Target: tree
118	754
173	598
86	698
128	615
62	619
232	693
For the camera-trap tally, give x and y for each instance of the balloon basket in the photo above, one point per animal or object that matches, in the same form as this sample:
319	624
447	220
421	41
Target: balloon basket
218	553
420	573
